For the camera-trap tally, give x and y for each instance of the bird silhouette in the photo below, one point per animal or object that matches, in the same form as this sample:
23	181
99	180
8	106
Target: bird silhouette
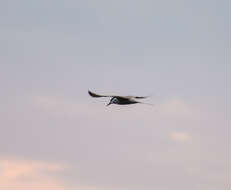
120	100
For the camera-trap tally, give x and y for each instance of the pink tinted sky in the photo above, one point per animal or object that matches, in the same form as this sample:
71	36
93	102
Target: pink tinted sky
54	136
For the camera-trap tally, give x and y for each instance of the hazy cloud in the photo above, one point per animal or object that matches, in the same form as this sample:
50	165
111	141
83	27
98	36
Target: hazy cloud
30	174
180	137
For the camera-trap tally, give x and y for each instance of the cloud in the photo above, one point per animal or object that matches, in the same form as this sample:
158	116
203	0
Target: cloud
25	174
30	174
180	137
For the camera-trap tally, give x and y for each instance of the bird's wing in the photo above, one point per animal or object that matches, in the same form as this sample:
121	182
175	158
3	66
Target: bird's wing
135	97
140	97
92	94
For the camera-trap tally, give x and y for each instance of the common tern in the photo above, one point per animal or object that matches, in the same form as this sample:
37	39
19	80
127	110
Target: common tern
120	100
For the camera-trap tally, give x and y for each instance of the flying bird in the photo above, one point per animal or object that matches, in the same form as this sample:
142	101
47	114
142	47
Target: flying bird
120	100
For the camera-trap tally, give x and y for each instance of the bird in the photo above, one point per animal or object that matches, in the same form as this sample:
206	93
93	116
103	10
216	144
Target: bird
120	100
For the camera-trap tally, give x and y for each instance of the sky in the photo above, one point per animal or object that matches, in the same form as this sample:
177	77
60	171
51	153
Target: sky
53	135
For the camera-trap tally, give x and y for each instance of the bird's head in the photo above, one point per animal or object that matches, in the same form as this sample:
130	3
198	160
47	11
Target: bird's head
114	100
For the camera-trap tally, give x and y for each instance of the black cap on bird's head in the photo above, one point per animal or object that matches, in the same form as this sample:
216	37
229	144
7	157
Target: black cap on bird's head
114	100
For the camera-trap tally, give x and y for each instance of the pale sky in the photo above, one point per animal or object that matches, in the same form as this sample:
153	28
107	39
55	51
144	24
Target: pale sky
54	136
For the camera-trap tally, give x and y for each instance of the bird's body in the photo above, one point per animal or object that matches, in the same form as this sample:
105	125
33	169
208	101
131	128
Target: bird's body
120	100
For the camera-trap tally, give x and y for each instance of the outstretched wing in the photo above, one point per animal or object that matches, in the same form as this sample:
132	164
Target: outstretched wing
135	97
92	94
140	97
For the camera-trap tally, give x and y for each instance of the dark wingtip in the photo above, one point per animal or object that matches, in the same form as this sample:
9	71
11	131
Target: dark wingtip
90	93
93	94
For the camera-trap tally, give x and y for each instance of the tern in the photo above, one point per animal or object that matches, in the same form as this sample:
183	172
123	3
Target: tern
120	100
